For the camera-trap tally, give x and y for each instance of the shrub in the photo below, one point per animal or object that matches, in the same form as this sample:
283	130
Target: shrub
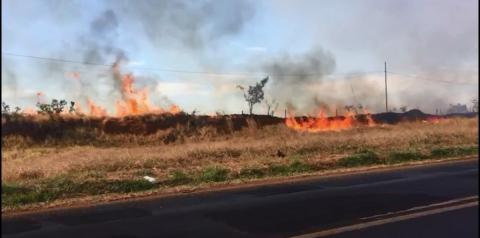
214	174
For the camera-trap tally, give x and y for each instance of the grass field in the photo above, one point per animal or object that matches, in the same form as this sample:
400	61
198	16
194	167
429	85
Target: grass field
45	172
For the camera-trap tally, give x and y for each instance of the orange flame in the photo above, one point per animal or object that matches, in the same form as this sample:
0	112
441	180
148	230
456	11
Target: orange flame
323	123
370	121
29	111
94	110
433	119
135	102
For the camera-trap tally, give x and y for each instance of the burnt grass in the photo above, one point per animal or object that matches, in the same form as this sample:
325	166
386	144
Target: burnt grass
82	130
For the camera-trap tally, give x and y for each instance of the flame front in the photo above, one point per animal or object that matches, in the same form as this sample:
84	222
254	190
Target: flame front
93	109
135	102
324	123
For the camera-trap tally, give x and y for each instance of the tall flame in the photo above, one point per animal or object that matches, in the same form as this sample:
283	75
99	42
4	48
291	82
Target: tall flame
134	101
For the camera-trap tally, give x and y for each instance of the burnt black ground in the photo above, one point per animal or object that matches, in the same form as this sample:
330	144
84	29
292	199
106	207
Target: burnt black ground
270	210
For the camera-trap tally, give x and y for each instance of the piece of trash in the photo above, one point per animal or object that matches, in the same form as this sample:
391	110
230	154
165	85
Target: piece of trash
149	179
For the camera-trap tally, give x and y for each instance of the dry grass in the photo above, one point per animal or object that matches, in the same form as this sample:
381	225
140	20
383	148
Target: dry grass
46	172
248	152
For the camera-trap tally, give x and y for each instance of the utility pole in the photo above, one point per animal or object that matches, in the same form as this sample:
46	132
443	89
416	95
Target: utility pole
386	94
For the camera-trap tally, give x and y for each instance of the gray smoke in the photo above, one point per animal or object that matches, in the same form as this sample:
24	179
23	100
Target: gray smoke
305	68
9	78
194	24
291	74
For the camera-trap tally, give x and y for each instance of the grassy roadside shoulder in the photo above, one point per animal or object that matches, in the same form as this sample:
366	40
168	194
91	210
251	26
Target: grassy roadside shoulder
16	196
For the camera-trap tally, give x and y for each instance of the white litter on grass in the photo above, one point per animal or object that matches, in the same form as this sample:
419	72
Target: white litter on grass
149	179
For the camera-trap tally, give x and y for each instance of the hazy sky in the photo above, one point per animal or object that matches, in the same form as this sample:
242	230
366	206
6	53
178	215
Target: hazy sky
316	52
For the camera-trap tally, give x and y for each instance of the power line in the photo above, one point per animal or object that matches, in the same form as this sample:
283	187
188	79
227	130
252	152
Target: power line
433	80
244	74
183	71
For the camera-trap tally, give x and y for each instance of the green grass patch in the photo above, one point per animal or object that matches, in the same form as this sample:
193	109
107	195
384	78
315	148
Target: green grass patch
404	156
454	151
251	173
52	189
13	195
214	174
178	177
115	186
359	159
294	167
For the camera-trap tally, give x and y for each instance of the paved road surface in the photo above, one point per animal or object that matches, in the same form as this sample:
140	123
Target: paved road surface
439	200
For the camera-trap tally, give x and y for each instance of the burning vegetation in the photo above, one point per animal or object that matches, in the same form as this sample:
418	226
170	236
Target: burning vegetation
324	123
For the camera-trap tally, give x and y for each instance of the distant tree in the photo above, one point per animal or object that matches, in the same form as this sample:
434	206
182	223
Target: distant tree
17	110
360	106
72	107
5	108
54	107
458	108
44	108
403	108
254	94
474	105
350	108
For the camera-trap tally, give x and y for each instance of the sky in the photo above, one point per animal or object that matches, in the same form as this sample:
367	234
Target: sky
327	53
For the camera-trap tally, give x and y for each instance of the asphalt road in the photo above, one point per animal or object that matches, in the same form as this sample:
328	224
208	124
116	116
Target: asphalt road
438	200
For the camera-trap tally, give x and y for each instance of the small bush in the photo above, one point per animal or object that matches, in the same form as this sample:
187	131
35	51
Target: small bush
214	174
359	159
178	177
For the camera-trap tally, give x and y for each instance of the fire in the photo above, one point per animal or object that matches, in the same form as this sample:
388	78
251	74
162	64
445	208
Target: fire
370	121
93	109
29	111
135	101
434	120
323	123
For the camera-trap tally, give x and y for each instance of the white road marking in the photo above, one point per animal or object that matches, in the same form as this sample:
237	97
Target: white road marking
385	221
422	207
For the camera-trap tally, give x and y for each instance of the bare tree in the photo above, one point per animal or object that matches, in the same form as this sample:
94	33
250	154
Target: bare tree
5	108
71	109
255	93
474	105
350	108
403	108
272	105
